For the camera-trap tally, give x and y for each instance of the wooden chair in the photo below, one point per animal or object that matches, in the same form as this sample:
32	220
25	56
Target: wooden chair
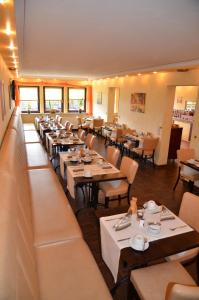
189	209
166	281
89	141
112	155
81	134
184	172
120	189
147	149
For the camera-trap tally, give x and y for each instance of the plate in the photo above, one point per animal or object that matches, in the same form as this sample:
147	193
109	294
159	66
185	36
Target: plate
87	160
86	176
132	245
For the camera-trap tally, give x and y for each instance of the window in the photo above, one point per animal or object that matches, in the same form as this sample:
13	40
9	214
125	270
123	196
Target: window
29	98
53	98
76	99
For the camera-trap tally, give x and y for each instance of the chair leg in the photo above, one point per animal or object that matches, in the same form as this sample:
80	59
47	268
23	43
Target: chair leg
177	179
191	185
106	202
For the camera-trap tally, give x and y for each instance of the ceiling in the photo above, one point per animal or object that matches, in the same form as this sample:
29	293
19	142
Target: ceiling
87	39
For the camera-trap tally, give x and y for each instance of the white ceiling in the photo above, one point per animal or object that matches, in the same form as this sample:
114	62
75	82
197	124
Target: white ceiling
98	38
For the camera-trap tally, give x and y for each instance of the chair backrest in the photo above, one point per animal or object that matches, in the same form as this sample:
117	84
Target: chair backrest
177	291
70	127
59	119
66	124
185	154
189	210
119	132
150	143
79	120
129	167
81	134
113	155
89	141
98	122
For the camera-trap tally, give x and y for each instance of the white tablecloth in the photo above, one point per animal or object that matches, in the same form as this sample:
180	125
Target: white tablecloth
111	247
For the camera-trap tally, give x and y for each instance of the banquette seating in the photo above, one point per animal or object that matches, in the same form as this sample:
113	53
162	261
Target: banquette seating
42	252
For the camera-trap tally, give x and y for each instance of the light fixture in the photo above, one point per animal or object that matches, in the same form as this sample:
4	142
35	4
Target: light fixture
155	72
139	74
11	47
13	55
8	30
2	1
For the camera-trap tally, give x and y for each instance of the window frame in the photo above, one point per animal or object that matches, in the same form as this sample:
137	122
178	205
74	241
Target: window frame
44	97
85	93
38	94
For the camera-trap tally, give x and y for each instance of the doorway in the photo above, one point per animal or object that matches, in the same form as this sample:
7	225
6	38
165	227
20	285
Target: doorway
184	108
113	104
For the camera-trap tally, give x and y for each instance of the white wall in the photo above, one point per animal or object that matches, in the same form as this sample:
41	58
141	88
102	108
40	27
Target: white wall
160	93
183	94
5	76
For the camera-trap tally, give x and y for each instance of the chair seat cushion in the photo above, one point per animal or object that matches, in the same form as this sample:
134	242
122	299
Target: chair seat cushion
184	256
114	188
151	282
68	271
36	156
31	136
189	174
53	219
29	126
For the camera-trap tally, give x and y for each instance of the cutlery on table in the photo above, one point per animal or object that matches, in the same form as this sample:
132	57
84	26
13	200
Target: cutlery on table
177	227
125	239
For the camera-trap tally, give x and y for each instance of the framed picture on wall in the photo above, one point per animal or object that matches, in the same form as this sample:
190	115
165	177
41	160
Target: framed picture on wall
99	98
2	100
138	102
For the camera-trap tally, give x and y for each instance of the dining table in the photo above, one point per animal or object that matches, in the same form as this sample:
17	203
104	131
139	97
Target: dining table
87	170
116	245
61	140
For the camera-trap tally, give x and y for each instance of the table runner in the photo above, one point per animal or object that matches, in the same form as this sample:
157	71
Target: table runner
109	237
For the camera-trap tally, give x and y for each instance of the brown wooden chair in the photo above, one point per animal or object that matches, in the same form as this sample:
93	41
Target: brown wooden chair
112	155
120	189
147	149
184	172
89	140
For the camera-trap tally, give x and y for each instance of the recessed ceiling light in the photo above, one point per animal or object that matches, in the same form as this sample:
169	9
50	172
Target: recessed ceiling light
11	47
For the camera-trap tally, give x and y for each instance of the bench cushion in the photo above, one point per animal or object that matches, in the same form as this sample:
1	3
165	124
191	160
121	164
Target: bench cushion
53	218
31	136
68	271
28	126
36	156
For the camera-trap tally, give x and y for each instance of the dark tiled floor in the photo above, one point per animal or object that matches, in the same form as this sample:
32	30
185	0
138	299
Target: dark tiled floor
150	183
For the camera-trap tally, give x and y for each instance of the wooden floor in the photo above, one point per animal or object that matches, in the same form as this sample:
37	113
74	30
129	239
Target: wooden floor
150	183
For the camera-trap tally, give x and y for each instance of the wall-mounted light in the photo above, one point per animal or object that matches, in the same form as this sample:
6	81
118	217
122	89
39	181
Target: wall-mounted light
139	74
155	72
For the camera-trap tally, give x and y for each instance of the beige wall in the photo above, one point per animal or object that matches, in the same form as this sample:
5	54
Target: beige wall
183	94
160	94
5	76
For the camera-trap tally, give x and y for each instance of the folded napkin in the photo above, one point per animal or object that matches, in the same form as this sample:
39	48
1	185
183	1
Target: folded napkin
78	170
107	167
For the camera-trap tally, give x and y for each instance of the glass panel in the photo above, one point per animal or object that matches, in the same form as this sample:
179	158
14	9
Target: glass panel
76	93
29	105
53	93
28	93
53	105
76	104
